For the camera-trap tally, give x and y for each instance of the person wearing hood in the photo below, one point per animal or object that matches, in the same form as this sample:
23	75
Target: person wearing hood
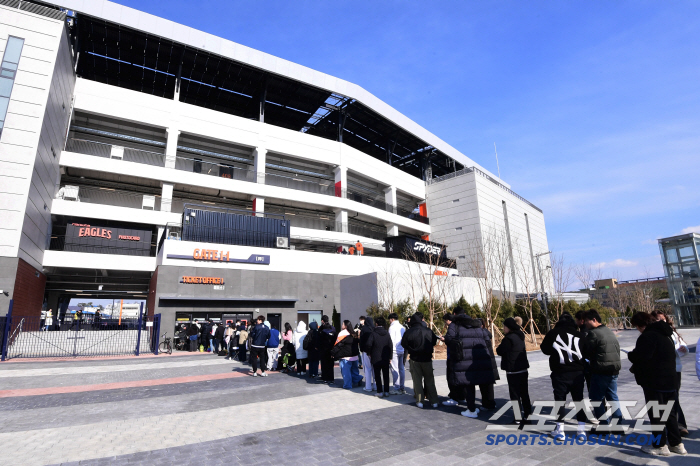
347	351
654	367
380	349
470	357
603	355
565	347
419	342
328	334
258	346
515	364
301	353
273	347
192	332
365	331
398	361
312	346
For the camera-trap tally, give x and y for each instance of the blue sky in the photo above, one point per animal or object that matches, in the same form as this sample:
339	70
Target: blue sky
594	105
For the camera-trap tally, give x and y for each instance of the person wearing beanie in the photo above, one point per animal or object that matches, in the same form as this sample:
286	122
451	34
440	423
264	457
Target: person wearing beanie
565	346
515	364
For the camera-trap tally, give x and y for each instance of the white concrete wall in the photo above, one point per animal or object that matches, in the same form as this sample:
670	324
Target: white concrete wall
35	122
467	209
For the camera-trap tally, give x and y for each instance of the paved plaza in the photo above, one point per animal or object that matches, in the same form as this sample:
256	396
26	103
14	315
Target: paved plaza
199	409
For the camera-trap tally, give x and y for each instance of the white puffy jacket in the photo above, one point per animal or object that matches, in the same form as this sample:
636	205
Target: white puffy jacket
299	335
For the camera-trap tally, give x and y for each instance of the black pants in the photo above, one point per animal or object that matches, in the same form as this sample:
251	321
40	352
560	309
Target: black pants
241	352
256	353
193	345
327	368
454	394
564	383
671	431
517	388
679	411
382	370
301	365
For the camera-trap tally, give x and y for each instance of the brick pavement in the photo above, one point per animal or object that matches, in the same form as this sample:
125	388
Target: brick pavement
206	416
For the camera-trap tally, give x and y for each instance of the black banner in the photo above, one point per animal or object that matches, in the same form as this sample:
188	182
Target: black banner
107	240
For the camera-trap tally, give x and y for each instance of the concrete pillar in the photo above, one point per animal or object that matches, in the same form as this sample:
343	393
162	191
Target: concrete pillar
259	158
341	181
171	147
392	230
390	199
166	197
341	221
259	206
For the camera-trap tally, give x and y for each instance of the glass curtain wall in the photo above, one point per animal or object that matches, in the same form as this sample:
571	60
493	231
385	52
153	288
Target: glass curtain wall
682	268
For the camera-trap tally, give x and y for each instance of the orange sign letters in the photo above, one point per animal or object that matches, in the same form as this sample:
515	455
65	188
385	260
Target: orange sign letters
203	280
210	255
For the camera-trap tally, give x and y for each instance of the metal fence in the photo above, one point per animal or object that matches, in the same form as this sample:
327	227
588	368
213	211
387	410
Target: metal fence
220	170
103	149
34	337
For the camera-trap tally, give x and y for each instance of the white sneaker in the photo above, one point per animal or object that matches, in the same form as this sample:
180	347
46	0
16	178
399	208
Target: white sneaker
255	374
449	402
379	395
394	392
367	389
558	434
472	414
264	374
386	394
419	405
581	430
662	451
678	449
303	373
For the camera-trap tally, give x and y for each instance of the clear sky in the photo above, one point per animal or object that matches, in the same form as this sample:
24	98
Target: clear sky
593	104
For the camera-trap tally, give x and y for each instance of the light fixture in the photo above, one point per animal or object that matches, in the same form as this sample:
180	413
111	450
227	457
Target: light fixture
205	202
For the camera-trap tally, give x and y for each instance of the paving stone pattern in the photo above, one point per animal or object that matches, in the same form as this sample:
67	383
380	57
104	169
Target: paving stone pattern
278	420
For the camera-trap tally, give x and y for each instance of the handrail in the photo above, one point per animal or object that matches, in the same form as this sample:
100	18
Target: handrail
19	327
108	144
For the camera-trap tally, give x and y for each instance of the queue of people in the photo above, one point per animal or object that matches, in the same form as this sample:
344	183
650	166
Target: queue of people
583	353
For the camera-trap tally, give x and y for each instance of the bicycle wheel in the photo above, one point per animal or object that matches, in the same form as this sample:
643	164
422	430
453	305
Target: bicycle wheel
165	347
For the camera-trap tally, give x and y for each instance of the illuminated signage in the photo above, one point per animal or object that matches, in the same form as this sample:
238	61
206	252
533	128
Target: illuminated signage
210	255
203	280
81	237
426	248
95	232
215	255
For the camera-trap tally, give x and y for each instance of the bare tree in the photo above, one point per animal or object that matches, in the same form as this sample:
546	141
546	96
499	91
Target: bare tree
562	278
528	285
587	274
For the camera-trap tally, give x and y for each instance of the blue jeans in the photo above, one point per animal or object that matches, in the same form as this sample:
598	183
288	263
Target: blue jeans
313	367
212	343
604	387
351	373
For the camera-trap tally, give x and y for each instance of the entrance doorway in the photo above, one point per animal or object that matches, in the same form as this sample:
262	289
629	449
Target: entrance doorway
275	321
309	316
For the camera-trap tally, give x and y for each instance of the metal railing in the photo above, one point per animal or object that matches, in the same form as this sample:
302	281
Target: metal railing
34	8
220	170
103	149
325	187
467	170
115	197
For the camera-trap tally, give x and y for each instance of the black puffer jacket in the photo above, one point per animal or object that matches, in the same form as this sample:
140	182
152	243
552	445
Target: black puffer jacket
347	347
654	358
365	331
512	352
419	341
603	351
565	346
379	347
327	336
476	367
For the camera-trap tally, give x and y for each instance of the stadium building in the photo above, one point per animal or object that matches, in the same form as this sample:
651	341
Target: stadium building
143	159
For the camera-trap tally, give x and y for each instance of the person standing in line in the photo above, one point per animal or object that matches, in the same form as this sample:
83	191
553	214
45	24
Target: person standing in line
359	248
219	335
286	355
469	350
48	323
654	367
565	347
301	353
398	369
192	333
380	349
515	364
419	342
681	350
581	325
229	335
346	351
312	346
603	355
213	342
453	397
273	348
365	331
328	336
242	341
258	342
488	399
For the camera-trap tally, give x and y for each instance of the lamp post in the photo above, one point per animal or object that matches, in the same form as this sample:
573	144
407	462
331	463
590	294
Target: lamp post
544	293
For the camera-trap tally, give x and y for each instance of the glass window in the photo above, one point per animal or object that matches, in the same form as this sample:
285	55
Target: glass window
672	255
686	251
13	51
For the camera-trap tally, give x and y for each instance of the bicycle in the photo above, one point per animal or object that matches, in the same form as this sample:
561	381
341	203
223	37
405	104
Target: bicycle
166	346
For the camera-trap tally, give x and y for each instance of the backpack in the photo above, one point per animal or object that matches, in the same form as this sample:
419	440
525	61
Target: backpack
308	338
